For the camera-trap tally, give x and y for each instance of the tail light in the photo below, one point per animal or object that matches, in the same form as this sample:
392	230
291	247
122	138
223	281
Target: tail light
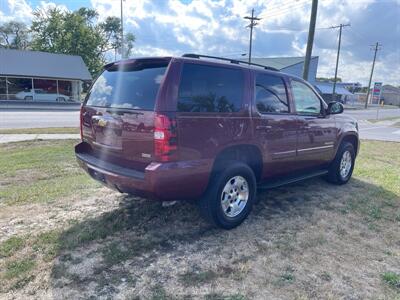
165	138
81	122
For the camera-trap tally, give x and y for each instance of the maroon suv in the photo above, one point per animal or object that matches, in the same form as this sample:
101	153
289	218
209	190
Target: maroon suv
212	129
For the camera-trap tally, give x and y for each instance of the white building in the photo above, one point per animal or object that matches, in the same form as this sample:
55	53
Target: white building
41	76
290	65
295	65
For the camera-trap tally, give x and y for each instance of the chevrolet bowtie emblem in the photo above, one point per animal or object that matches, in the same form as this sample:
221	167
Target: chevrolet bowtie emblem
102	123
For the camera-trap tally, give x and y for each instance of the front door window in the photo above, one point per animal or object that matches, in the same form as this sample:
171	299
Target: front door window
306	101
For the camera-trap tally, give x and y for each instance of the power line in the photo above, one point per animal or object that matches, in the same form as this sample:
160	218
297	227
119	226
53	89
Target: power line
281	8
337	57
377	47
253	23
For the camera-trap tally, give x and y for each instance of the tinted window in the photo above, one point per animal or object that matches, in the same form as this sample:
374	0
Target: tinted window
19	88
131	86
270	94
3	88
306	101
210	89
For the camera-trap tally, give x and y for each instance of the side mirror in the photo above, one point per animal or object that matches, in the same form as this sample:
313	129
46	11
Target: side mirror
334	108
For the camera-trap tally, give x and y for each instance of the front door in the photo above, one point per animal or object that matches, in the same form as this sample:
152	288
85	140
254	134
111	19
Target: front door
275	127
317	131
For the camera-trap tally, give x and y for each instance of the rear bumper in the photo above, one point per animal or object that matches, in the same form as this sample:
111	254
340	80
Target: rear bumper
163	181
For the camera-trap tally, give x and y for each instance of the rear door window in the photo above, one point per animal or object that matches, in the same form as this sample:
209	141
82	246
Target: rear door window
128	86
270	94
210	89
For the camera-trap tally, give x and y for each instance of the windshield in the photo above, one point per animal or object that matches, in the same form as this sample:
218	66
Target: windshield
132	86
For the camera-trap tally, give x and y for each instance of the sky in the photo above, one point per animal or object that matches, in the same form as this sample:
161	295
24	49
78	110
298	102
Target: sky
174	27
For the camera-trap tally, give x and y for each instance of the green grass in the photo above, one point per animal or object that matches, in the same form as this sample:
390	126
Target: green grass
384	119
11	245
40	171
40	130
392	279
18	268
217	296
196	278
44	171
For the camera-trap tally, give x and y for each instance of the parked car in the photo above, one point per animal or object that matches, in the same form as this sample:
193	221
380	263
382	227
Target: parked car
41	95
210	129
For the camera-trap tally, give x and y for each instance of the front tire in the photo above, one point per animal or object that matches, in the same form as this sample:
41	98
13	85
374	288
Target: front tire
230	195
342	167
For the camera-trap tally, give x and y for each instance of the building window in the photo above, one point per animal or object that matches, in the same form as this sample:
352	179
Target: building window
69	89
19	88
46	90
3	88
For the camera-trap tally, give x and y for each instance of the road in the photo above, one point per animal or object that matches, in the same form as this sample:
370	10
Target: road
42	119
38	119
380	131
371	114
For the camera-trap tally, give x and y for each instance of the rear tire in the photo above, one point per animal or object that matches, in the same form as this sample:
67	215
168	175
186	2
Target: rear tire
230	195
342	166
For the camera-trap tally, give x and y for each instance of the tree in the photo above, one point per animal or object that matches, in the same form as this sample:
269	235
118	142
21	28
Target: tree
326	79
76	33
14	35
113	32
129	40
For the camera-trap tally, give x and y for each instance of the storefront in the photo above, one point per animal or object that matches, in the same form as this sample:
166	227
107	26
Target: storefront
41	76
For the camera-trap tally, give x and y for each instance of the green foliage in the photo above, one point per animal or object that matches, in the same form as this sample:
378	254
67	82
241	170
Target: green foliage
76	33
11	245
14	35
392	279
18	268
329	79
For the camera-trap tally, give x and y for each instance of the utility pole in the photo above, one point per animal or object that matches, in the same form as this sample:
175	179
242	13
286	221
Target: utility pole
122	32
310	40
252	24
377	47
337	57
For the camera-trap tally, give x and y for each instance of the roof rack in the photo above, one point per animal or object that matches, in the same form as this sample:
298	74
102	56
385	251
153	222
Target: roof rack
232	61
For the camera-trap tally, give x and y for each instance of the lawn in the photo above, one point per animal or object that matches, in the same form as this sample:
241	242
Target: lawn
64	236
395	120
54	130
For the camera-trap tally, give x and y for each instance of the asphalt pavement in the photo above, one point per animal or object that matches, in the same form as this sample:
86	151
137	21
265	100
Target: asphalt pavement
382	130
38	119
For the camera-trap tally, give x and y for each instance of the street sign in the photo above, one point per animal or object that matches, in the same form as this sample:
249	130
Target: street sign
376	92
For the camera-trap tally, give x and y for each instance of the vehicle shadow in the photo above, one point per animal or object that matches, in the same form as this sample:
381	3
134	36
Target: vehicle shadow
141	244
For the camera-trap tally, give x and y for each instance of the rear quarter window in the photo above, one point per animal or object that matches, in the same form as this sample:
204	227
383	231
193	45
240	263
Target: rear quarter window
131	86
210	89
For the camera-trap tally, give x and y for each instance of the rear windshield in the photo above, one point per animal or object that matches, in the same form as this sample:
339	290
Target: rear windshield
132	86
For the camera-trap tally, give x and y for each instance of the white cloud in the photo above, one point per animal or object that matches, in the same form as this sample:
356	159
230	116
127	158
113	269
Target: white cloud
21	11
170	27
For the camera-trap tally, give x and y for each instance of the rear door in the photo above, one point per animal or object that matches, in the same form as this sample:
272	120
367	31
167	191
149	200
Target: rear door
317	131
275	127
118	116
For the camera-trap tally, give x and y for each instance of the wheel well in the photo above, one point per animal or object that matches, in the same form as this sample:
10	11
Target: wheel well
248	154
352	139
